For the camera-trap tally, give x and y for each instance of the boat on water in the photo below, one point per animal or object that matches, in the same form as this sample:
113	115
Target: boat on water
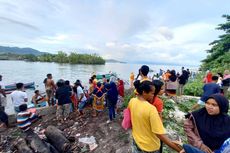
107	76
39	105
11	87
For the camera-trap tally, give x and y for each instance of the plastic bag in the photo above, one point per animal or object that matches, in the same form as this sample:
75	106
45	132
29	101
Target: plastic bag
126	122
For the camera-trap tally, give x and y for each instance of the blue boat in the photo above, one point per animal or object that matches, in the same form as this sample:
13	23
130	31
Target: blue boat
107	76
11	87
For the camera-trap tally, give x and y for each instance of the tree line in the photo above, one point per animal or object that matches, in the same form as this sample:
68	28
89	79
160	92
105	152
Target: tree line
61	57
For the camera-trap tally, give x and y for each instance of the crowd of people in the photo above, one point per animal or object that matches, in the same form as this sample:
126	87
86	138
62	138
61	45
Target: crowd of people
173	82
207	128
102	94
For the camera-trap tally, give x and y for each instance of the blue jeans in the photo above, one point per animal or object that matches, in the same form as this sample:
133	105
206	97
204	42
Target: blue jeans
81	105
190	149
111	113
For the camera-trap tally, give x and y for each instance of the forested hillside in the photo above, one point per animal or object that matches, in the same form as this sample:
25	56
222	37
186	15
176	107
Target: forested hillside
218	58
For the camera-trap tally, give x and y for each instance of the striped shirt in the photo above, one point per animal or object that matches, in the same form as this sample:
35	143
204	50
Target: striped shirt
24	120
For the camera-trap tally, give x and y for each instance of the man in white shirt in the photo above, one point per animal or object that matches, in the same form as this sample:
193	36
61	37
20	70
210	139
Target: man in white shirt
19	97
81	97
2	94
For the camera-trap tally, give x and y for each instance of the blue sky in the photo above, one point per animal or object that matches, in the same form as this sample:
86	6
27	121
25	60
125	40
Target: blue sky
172	31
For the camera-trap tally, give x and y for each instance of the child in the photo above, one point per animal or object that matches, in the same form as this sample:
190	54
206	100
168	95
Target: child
25	118
37	98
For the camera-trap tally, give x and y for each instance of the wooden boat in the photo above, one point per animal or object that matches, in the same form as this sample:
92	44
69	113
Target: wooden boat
13	86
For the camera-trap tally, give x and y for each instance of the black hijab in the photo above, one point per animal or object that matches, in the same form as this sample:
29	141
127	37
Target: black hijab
214	129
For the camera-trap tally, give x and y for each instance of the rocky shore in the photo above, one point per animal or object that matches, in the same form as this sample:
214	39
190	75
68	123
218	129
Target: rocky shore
92	134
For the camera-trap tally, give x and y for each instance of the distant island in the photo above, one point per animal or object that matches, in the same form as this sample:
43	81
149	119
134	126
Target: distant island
29	54
113	61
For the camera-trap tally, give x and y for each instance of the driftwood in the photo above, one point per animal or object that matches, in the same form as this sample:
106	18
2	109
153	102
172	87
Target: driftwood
57	139
22	146
37	144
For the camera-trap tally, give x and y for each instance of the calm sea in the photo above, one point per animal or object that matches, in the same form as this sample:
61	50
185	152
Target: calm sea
21	71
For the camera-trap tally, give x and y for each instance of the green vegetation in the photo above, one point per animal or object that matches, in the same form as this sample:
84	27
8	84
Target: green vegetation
218	58
61	57
194	87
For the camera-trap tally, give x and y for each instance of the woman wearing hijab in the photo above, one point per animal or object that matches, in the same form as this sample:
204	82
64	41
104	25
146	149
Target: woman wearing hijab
111	99
208	127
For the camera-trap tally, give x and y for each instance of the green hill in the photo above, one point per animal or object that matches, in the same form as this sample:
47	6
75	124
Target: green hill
19	51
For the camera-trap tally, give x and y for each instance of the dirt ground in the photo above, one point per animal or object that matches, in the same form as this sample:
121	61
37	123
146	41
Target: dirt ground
110	137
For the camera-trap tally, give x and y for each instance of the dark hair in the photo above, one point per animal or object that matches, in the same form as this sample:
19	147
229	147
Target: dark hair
214	78
173	76
19	85
45	80
23	107
144	86
94	76
49	74
60	83
103	76
220	74
157	84
99	84
67	82
78	83
144	70
36	91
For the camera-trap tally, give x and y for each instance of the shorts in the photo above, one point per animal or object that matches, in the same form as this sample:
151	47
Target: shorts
49	93
200	102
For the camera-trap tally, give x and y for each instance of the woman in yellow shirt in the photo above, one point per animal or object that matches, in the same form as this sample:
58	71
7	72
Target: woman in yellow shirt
147	128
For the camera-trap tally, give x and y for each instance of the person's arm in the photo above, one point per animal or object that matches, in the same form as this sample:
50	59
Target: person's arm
25	97
34	100
2	91
53	85
81	93
168	142
193	136
81	96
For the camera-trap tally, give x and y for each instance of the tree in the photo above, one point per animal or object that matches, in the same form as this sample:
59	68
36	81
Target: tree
218	58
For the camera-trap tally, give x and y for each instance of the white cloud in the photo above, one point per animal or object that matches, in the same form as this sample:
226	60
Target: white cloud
126	30
57	39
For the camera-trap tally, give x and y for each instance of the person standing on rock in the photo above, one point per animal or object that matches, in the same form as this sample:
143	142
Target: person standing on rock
147	127
111	99
80	96
63	101
50	89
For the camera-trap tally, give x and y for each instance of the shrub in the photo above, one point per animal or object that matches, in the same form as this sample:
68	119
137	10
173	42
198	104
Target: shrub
194	87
